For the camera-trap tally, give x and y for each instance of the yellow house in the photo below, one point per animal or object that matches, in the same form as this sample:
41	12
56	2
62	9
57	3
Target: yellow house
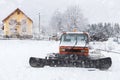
17	25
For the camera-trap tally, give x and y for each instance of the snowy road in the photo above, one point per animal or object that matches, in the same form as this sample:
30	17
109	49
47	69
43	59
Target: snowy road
14	57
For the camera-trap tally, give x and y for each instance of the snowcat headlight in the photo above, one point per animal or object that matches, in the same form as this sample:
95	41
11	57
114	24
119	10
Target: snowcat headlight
62	49
86	51
83	51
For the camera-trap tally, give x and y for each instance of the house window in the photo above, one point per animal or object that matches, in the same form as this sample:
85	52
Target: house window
12	24
24	25
23	28
23	21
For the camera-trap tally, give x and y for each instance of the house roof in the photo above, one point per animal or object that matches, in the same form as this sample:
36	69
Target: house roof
14	12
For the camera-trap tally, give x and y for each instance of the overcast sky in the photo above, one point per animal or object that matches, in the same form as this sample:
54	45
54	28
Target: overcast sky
94	10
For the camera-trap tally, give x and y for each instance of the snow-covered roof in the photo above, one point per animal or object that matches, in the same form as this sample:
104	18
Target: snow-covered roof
75	33
14	12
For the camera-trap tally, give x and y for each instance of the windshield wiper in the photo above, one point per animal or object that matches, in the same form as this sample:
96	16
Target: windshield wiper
75	43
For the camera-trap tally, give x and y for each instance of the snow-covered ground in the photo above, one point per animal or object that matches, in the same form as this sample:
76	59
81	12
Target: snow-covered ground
14	62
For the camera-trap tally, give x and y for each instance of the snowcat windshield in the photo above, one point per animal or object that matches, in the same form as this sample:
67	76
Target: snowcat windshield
73	38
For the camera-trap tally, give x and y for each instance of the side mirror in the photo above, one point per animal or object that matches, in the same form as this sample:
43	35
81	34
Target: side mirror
60	39
87	41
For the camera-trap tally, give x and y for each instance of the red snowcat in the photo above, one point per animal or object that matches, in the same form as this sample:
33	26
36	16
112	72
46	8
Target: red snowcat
74	51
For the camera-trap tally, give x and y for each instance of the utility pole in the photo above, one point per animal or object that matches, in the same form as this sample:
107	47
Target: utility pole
39	26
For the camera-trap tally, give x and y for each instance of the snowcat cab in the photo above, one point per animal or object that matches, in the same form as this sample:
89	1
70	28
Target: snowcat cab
73	52
74	43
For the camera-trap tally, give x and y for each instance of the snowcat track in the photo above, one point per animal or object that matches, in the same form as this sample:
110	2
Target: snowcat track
102	64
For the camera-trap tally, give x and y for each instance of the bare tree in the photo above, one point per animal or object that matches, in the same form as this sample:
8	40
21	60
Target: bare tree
68	20
73	18
116	29
56	22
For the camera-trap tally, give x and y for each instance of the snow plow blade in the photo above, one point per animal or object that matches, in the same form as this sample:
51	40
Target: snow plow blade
102	64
